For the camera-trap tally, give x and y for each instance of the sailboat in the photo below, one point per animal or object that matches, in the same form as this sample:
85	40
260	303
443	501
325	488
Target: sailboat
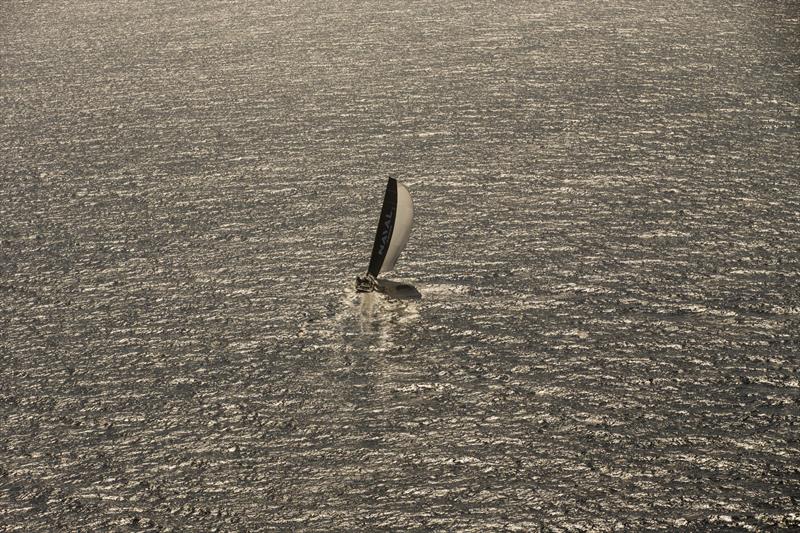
394	228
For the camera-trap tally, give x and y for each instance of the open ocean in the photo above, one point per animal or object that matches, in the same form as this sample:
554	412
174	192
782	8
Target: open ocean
607	243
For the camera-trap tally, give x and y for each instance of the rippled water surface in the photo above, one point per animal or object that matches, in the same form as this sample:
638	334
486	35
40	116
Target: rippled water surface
606	242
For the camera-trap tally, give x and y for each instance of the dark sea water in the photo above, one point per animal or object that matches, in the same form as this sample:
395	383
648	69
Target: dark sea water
607	242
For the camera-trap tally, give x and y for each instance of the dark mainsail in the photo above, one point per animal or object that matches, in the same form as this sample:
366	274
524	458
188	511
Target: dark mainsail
383	235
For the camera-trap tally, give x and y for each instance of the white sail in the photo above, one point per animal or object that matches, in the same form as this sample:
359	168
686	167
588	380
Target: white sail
402	228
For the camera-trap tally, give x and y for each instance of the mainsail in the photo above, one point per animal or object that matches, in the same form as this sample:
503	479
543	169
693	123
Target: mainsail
394	227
